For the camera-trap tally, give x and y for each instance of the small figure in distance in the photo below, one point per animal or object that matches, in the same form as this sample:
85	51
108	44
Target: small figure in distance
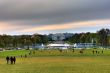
33	52
21	56
30	53
25	56
73	50
96	51
93	51
81	51
7	59
102	51
60	50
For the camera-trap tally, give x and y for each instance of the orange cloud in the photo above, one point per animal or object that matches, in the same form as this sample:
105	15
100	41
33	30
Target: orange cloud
7	27
67	26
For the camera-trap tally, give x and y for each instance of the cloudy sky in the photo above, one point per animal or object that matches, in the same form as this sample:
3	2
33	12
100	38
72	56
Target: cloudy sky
53	16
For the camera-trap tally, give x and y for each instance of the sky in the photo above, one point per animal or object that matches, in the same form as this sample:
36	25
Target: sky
53	16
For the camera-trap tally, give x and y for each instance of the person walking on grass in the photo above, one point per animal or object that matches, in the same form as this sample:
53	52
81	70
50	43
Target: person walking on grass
93	51
7	59
14	59
96	51
73	50
25	56
102	51
11	60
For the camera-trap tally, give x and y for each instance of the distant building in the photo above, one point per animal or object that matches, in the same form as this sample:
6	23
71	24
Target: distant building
18	48
38	46
60	36
1	49
58	46
83	45
35	46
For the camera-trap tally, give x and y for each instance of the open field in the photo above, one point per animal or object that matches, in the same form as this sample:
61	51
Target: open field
57	62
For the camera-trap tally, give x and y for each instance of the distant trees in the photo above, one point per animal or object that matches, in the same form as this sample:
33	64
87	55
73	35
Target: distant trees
75	38
22	40
101	37
83	38
37	38
25	40
5	40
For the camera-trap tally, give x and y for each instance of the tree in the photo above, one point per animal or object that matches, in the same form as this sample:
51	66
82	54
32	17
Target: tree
103	37
5	41
25	40
36	39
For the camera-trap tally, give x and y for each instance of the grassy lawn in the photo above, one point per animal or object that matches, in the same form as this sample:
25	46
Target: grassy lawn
57	62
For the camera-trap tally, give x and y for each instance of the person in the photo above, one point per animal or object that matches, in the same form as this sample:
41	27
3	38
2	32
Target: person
81	51
14	59
30	53
93	51
102	51
25	56
11	60
33	52
73	50
7	59
96	51
60	50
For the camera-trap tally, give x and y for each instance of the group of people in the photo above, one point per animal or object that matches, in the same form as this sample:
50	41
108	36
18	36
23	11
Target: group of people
25	56
11	60
97	52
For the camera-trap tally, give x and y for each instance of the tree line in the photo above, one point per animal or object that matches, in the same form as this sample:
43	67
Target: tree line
100	38
22	40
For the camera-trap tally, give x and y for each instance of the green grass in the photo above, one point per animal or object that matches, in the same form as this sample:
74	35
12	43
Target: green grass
56	62
13	53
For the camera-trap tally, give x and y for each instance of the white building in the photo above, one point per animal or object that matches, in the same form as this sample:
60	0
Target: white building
38	46
1	49
83	45
58	46
35	46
